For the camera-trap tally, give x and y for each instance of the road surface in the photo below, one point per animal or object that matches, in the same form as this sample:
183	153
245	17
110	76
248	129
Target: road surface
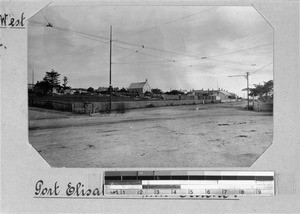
211	135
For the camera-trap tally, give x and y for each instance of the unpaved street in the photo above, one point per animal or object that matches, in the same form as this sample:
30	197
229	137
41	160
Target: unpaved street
212	135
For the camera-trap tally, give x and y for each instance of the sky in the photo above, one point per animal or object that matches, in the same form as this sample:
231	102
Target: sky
173	47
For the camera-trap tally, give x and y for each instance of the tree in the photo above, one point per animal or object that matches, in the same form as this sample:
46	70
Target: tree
115	89
148	94
263	92
123	90
42	88
156	91
268	89
65	82
52	78
174	92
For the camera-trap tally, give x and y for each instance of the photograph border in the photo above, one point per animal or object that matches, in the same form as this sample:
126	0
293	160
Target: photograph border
22	166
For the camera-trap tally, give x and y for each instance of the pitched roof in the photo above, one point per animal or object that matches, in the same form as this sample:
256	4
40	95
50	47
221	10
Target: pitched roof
137	85
226	93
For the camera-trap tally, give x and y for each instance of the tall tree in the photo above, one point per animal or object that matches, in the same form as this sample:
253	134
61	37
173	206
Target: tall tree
52	78
268	89
264	91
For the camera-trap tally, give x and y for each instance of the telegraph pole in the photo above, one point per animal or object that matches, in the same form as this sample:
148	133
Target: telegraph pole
110	53
247	78
33	76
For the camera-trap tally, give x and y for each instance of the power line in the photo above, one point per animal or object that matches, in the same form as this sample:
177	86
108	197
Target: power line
140	52
193	55
155	49
239	50
87	36
184	17
78	33
239	63
131	53
68	31
262	68
140	62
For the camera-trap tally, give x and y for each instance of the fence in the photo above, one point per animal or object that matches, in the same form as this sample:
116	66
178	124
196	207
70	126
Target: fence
119	106
262	106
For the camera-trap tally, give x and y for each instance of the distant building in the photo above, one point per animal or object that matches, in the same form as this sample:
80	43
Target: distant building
219	94
57	90
184	91
139	87
69	91
80	90
101	89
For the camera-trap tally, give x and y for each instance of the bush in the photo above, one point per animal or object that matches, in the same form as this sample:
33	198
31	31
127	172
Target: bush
150	106
120	108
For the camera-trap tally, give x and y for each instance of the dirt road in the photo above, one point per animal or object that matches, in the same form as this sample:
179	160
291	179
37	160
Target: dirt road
212	135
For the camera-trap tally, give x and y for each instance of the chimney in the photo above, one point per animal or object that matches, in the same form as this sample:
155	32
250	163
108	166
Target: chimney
146	80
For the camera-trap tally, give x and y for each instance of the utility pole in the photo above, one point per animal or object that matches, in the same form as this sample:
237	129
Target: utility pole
247	78
110	53
33	76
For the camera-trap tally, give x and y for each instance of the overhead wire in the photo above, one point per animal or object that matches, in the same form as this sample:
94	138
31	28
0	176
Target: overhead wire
131	53
140	52
165	23
61	29
263	45
157	49
87	36
262	68
199	57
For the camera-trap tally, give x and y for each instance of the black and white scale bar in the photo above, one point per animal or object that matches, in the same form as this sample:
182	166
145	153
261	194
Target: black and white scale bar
191	183
136	176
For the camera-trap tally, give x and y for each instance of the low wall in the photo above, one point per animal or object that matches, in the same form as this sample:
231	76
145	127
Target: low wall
170	96
229	100
119	107
262	106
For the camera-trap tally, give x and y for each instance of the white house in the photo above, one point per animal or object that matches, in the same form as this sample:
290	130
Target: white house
139	87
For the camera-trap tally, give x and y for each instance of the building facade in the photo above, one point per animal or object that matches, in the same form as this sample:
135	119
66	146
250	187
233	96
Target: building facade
139	87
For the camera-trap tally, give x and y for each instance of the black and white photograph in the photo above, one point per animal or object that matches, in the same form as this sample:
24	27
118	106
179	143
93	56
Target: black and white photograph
150	86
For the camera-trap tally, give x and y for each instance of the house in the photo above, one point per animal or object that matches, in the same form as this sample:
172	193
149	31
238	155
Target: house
80	90
219	94
101	89
139	87
57	90
69	91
